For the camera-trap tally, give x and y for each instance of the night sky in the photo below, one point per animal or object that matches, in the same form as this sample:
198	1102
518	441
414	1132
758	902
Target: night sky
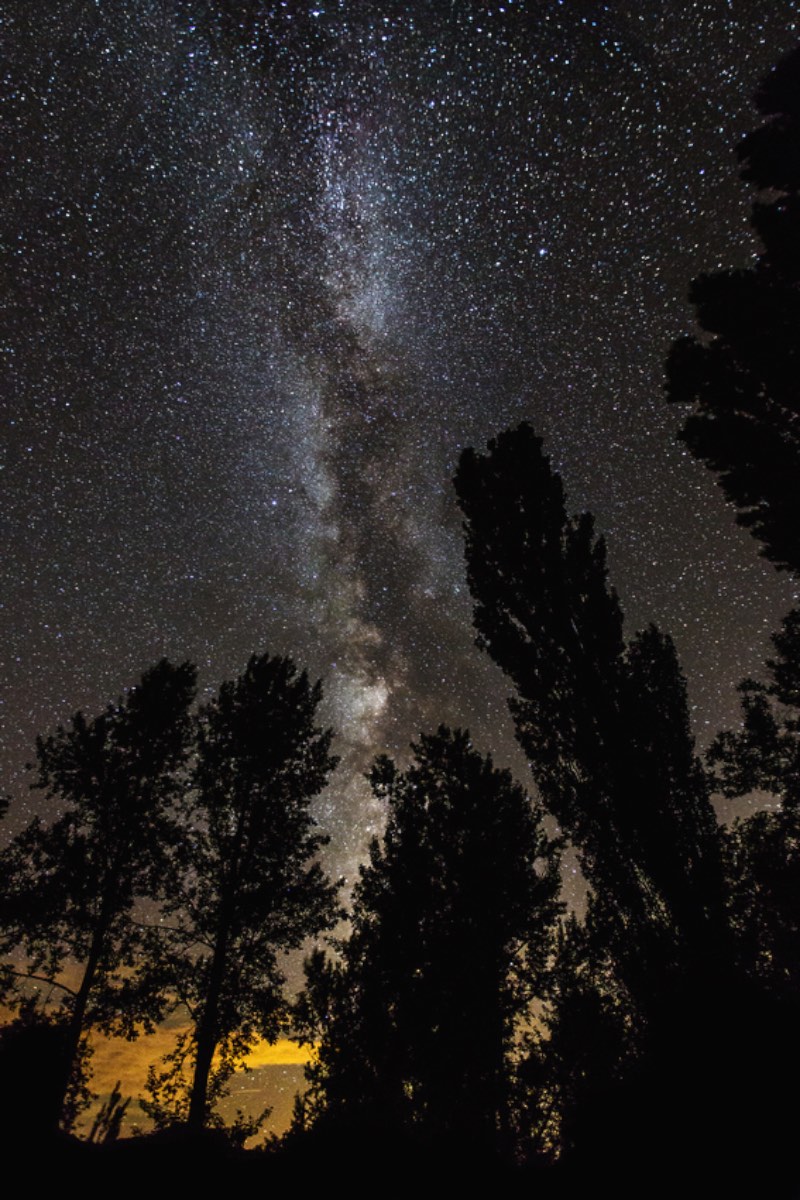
266	275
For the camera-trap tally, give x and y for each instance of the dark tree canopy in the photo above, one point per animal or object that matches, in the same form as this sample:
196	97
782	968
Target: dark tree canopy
452	925
762	855
656	1010
606	730
570	1069
741	373
246	885
764	755
70	887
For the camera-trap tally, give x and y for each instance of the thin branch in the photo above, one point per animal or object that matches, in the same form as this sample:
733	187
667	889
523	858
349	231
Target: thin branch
185	933
190	1008
158	925
43	979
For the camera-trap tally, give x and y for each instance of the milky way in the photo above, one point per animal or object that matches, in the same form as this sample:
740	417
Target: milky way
269	267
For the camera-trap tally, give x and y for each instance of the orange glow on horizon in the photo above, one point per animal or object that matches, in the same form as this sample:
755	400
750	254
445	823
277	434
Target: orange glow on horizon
117	1059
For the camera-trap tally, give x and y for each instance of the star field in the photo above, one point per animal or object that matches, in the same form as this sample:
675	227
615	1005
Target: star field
269	267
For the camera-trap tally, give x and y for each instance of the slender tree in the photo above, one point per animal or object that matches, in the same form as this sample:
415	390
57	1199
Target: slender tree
453	922
246	884
71	886
606	731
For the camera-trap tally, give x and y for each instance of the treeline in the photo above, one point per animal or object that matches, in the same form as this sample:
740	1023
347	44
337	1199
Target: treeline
465	1016
182	867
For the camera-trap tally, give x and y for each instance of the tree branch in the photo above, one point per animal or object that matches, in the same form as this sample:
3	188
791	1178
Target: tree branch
43	979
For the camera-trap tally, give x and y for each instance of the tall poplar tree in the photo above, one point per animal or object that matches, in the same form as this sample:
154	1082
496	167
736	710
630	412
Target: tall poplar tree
606	731
605	728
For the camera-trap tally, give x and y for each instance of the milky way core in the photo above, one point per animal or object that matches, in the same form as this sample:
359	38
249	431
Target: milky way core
270	267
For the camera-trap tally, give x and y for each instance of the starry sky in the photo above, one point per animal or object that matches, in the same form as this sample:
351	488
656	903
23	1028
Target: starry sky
269	267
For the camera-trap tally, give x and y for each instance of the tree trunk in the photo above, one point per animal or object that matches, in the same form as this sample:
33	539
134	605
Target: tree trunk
207	1035
207	1032
75	1028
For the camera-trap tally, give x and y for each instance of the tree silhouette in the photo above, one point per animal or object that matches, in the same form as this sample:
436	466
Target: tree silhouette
71	886
452	925
606	731
741	373
740	376
765	754
763	860
33	1054
764	849
245	884
576	1058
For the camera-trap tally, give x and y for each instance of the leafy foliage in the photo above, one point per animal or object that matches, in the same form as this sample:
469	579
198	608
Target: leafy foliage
245	884
578	1054
740	374
764	849
36	1055
765	754
71	887
606	731
764	856
169	1088
452	926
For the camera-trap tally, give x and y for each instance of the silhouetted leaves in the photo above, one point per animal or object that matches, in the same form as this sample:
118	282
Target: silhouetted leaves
452	927
764	755
741	373
607	735
70	887
606	731
108	1121
245	884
